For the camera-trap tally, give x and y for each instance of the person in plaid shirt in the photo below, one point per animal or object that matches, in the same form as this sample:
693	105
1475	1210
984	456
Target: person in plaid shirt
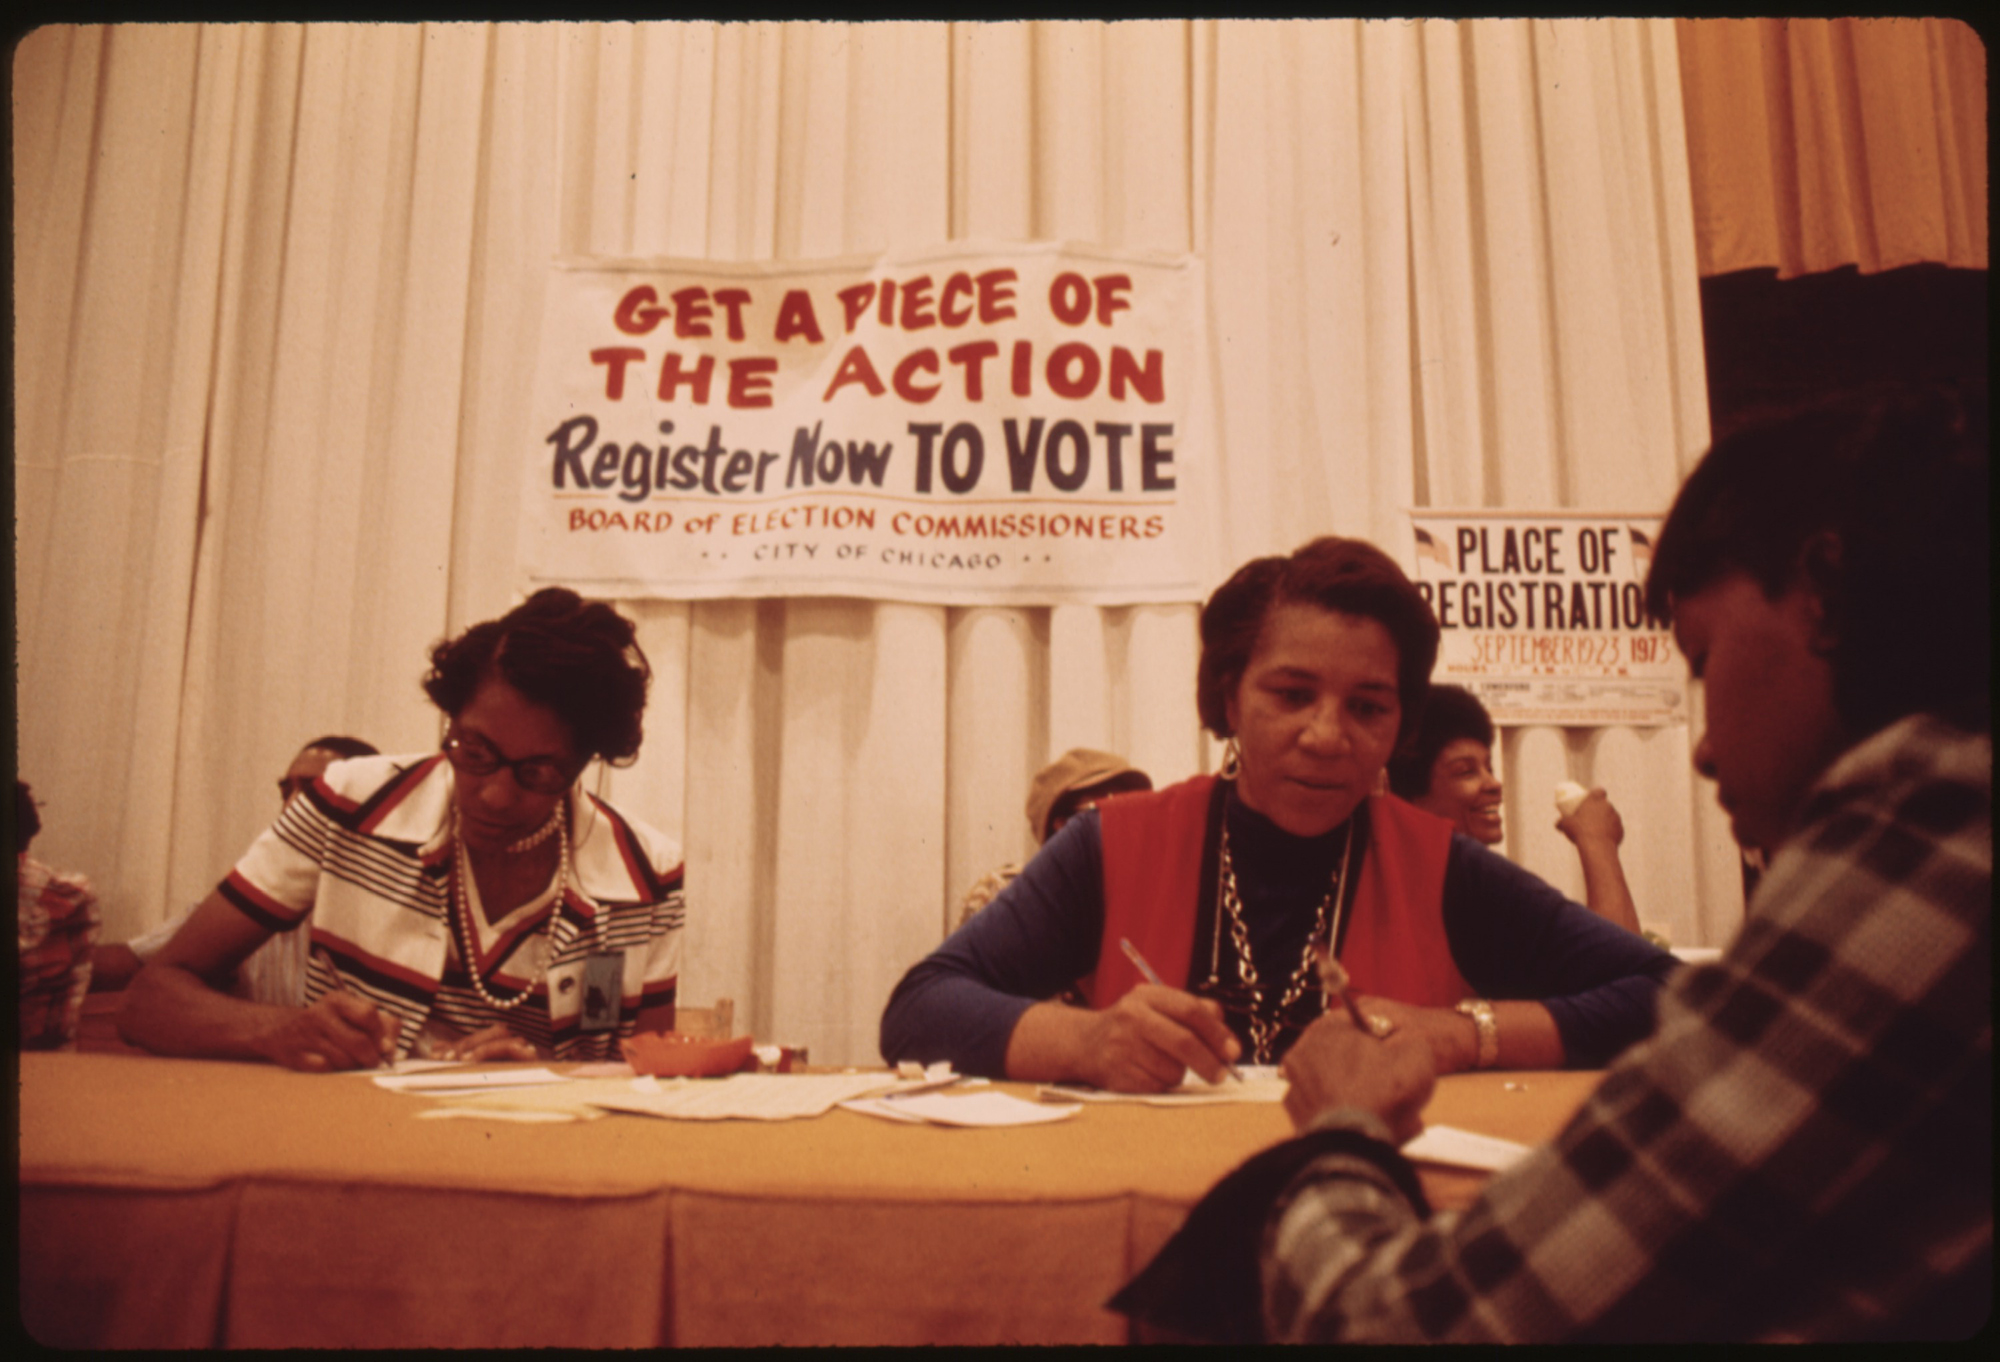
55	924
1804	1148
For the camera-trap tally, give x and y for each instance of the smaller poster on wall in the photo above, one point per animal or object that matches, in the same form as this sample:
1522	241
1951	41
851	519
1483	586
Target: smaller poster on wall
963	424
1543	615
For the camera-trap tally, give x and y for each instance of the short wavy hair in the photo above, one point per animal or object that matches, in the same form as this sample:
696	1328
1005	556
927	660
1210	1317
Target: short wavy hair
1348	575
1450	713
576	657
1878	501
342	746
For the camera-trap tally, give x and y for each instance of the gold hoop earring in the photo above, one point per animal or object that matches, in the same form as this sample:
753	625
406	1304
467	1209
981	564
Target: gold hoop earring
1232	760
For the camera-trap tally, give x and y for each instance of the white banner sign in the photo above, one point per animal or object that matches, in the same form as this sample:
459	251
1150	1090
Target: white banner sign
1543	615
963	425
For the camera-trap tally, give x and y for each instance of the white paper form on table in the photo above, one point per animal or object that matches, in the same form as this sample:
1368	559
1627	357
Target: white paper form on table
745	1097
963	1109
1463	1149
442	1084
1261	1083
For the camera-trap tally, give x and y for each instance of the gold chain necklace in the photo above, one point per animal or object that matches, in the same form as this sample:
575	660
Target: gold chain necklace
1326	927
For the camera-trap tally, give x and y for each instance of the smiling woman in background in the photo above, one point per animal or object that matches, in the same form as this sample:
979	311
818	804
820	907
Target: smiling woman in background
1315	667
475	903
1448	771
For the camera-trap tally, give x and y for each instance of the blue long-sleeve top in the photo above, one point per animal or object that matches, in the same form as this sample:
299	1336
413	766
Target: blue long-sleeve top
1511	936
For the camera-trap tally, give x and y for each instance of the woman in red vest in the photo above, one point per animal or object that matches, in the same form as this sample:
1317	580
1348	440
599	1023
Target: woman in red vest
1314	667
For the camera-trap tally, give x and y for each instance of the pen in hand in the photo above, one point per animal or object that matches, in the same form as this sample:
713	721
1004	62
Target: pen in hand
1333	982
1153	977
384	1043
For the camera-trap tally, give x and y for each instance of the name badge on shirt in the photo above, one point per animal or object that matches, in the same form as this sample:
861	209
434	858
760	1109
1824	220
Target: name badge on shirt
603	987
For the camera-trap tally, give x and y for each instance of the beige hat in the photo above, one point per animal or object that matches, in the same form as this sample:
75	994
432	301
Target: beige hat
1080	768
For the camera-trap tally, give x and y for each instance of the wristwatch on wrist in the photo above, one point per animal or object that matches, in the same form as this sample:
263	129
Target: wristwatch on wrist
1488	1028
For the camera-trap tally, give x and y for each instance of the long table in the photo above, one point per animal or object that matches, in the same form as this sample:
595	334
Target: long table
183	1203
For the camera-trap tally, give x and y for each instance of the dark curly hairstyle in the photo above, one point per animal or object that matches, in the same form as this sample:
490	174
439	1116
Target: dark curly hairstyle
343	746
1450	713
1348	575
578	658
1877	500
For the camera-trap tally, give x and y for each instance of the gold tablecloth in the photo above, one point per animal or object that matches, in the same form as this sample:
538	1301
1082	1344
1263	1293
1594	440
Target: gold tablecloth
187	1203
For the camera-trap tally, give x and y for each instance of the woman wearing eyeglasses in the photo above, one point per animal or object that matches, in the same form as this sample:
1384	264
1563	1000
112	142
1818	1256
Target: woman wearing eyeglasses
475	903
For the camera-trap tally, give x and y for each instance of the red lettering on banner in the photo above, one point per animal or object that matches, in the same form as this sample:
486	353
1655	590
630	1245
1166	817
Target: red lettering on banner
854	301
1069	298
904	377
1150	382
750	381
1061	361
854	368
956	287
637	312
691	311
971	357
796	318
672	376
995	297
614	358
731	300
916	314
1111	289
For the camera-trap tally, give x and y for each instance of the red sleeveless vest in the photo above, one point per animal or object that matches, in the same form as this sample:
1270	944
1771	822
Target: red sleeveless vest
1395	945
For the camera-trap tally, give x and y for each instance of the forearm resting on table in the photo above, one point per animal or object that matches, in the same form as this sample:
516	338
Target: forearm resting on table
1528	1037
171	1010
1527	1034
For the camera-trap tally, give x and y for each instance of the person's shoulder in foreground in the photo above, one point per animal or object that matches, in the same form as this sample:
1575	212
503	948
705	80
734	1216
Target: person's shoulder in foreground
1804	1148
1826	1084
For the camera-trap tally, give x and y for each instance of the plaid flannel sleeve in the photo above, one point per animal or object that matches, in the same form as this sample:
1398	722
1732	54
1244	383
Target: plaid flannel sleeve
1803	1150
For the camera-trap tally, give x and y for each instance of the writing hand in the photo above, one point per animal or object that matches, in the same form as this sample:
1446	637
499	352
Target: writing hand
488	1044
339	1031
1151	1037
1336	1064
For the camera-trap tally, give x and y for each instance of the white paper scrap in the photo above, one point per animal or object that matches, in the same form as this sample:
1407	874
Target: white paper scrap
1463	1149
404	1066
440	1084
1261	1083
526	1115
578	1097
748	1097
964	1109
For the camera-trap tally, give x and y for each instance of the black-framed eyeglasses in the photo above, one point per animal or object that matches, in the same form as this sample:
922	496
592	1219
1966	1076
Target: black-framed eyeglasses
537	775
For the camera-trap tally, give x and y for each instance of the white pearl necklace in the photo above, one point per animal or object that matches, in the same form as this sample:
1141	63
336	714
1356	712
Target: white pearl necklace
541	834
461	919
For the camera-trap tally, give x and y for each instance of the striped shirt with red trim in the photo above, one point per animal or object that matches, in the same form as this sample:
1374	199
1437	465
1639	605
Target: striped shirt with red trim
363	861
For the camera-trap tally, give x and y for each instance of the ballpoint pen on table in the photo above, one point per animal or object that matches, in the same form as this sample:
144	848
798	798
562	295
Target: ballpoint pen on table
1153	977
1334	983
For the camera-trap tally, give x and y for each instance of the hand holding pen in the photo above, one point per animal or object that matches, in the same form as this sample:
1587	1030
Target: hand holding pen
1152	976
1333	981
340	1030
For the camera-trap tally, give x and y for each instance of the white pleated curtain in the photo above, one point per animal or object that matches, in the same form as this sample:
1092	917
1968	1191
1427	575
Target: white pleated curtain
278	295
